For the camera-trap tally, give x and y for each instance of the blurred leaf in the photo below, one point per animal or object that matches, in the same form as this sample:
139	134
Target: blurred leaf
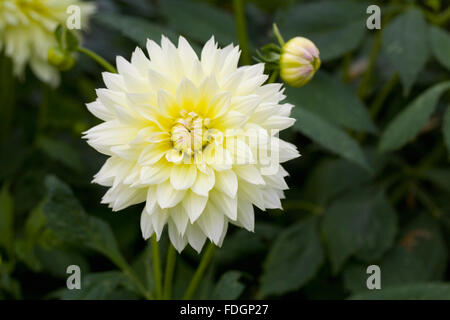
419	255
134	28
6	220
446	128
255	243
407	124
407	51
329	136
336	26
417	291
62	152
440	45
70	223
228	287
95	286
439	176
9	285
293	260
199	21
362	223
333	101
56	260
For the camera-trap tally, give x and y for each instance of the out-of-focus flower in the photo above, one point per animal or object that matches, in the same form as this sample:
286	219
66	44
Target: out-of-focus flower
26	32
196	139
299	61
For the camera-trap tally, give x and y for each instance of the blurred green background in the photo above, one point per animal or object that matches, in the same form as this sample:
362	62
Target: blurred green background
372	185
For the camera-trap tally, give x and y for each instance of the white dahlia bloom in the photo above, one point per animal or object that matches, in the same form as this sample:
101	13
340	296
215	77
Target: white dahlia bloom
196	139
26	32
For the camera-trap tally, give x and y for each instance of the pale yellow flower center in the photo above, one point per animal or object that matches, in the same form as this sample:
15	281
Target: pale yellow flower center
190	133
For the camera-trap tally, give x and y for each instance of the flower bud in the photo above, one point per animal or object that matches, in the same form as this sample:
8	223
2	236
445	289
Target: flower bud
299	61
60	59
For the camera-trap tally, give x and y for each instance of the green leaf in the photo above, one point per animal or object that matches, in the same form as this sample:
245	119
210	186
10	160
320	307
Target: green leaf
62	152
440	45
360	223
336	26
446	128
333	101
438	176
406	46
420	255
228	287
136	29
332	177
407	124
70	223
329	136
6	220
95	286
417	291
293	260
199	21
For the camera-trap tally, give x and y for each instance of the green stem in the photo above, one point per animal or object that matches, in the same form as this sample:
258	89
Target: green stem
168	274
384	93
157	267
239	13
131	275
273	76
105	64
206	259
278	35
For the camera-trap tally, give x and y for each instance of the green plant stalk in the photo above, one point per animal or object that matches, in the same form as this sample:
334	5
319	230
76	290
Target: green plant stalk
91	54
241	26
278	35
156	268
126	269
206	259
168	274
273	76
381	97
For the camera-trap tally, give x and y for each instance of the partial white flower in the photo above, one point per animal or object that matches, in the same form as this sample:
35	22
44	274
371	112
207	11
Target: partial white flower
194	138
26	32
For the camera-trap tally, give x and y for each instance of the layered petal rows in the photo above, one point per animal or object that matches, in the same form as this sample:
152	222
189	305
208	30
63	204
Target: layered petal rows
195	138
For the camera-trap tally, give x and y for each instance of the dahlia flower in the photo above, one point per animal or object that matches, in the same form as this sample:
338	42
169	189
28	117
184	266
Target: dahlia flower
299	61
194	138
26	32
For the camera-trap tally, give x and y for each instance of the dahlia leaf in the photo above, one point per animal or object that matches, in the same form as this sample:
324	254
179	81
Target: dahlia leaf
333	101
416	291
329	136
407	51
70	223
362	224
293	260
336	26
440	45
229	286
408	123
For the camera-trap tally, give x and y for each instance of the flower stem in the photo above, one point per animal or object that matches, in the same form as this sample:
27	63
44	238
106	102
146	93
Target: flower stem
278	35
91	54
156	267
168	274
241	26
206	259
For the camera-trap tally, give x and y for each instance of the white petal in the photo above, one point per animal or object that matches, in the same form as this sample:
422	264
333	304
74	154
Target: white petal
178	241
159	219
225	204
183	176
246	215
226	182
211	222
249	173
168	197
179	217
194	205
203	183
196	237
146	225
